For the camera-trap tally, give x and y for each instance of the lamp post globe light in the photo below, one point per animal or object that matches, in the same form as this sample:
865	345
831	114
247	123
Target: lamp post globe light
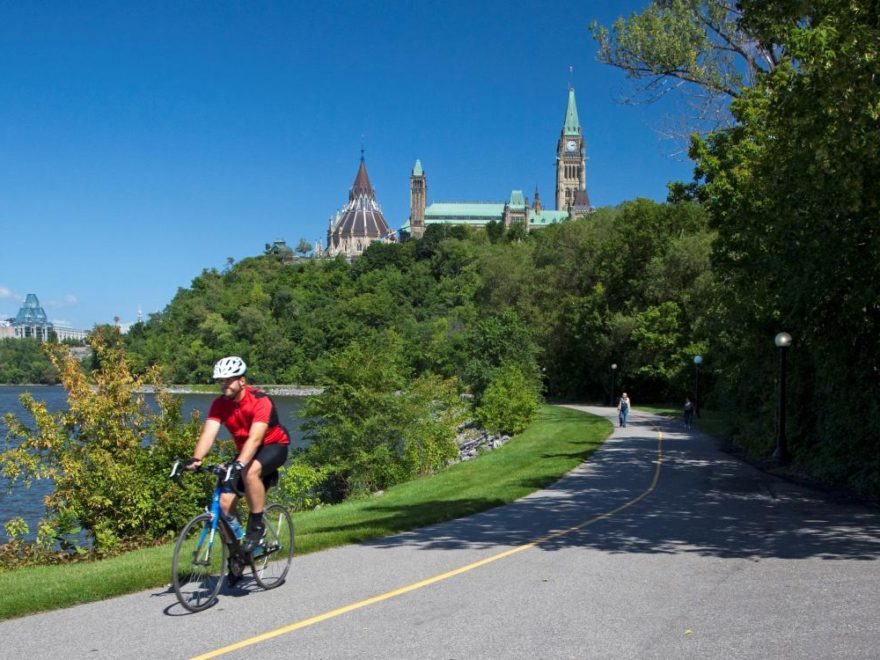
780	454
698	360
613	374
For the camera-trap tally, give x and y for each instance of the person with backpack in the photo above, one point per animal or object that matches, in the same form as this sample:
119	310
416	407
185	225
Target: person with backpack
260	441
623	409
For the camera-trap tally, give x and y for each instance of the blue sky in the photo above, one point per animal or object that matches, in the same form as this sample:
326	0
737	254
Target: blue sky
143	142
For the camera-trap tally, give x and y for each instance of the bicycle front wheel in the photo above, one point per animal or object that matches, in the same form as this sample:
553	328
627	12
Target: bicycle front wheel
198	564
272	558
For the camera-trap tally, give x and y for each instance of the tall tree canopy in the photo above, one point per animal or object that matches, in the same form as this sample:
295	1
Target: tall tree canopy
793	188
700	47
794	192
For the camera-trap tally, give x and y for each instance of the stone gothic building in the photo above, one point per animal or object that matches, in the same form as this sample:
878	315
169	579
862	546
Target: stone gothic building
571	191
359	223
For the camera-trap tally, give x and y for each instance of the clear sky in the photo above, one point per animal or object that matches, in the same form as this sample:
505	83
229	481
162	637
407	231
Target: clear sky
143	142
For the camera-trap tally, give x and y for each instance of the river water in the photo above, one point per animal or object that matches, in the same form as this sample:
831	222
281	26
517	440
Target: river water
28	502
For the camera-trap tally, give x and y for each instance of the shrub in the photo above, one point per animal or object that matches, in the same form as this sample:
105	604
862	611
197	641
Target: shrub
510	401
372	428
299	484
107	455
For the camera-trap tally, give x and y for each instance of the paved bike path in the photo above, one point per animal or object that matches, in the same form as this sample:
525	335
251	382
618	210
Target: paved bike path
676	550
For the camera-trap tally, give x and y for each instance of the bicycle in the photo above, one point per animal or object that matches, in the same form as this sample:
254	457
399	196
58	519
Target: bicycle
199	563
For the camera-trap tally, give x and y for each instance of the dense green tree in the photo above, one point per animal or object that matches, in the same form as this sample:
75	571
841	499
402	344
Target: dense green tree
303	247
494	343
374	426
700	47
794	194
510	401
23	361
578	290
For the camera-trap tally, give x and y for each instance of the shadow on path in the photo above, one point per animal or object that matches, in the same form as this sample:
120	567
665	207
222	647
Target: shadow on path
705	503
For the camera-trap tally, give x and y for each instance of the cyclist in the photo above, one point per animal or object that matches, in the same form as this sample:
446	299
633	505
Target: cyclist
260	440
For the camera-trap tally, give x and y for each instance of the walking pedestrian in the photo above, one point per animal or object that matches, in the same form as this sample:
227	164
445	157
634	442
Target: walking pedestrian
623	409
688	413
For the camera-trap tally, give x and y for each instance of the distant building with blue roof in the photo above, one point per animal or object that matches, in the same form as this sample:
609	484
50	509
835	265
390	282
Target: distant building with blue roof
31	320
571	191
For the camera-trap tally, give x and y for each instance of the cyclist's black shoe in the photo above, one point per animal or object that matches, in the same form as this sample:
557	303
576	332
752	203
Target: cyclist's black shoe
235	572
254	538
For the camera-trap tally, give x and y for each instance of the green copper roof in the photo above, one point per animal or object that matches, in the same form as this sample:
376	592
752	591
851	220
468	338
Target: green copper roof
572	125
463	211
546	217
517	201
417	170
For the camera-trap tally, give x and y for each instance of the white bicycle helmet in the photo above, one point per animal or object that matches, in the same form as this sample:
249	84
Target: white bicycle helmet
229	367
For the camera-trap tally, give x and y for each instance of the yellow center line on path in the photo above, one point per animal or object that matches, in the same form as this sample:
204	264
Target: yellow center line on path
304	623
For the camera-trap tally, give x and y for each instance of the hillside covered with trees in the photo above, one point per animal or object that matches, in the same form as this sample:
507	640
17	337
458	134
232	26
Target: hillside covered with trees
629	285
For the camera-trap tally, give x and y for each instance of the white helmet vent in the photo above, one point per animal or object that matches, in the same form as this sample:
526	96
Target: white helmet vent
229	367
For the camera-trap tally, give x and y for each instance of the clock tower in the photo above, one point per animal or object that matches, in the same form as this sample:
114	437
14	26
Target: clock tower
571	170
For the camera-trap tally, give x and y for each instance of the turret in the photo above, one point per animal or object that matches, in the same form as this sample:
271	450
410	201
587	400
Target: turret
418	200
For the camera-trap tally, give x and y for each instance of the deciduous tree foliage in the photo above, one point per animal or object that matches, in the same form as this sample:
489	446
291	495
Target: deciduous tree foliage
794	192
562	303
23	361
107	456
702	48
373	426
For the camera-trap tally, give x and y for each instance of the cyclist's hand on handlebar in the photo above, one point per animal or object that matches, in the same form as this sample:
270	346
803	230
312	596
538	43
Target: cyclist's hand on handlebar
193	463
233	471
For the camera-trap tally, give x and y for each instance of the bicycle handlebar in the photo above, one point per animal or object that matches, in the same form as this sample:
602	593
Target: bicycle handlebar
220	470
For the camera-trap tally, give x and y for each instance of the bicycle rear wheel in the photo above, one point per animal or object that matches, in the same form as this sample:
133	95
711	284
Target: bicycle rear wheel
272	558
198	564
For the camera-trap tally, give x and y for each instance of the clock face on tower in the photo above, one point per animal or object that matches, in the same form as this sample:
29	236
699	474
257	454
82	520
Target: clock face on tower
571	145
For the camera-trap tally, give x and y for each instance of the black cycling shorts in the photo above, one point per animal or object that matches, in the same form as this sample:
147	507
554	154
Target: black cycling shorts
271	457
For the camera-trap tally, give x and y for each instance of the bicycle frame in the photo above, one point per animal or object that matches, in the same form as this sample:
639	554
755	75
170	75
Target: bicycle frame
226	535
218	522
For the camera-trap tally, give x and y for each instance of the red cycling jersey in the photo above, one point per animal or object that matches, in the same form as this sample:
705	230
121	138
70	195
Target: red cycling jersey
237	416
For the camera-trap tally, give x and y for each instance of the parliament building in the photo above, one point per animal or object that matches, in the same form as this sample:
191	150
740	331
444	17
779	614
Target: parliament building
361	222
571	191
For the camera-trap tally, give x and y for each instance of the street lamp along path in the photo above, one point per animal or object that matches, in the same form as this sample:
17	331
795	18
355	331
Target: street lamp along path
698	360
780	454
613	374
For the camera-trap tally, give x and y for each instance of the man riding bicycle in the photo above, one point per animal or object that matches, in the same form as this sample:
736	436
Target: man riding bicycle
260	440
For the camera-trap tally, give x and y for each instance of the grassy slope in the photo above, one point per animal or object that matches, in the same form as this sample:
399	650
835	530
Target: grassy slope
555	443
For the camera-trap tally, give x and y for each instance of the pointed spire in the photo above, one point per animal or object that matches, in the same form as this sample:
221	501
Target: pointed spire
572	125
362	185
417	169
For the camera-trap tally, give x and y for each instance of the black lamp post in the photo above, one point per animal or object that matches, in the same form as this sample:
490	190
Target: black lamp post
613	374
698	360
782	341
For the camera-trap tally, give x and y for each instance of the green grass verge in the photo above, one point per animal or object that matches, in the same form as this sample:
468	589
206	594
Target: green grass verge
557	441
